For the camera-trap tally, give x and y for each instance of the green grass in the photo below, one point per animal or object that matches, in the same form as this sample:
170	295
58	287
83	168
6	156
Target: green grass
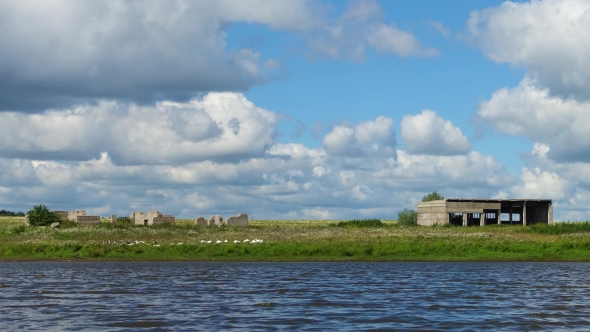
292	240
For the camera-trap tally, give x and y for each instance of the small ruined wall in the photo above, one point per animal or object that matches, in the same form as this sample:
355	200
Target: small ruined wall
201	221
88	220
240	220
73	215
163	219
137	218
216	220
62	214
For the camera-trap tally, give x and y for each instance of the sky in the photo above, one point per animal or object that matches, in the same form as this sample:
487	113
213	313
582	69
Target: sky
292	109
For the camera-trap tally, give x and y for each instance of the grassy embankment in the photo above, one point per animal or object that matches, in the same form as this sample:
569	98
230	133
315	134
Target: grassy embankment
296	241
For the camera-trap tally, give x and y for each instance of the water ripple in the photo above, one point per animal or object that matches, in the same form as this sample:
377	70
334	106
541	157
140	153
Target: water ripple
302	296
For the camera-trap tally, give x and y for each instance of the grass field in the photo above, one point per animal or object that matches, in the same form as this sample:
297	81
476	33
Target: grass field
296	240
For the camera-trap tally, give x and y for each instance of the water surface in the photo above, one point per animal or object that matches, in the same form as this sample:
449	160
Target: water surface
303	296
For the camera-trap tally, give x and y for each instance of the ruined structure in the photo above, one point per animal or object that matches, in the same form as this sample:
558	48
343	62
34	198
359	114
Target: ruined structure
88	220
240	220
200	221
80	217
480	212
216	220
151	218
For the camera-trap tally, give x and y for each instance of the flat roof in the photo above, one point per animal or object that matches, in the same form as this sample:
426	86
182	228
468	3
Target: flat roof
495	200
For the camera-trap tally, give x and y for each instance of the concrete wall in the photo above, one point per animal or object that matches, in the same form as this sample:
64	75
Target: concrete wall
432	213
471	207
240	220
216	220
88	220
201	221
163	219
73	215
62	214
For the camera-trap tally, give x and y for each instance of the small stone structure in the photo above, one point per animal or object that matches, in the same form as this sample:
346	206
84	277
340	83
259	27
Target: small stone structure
200	221
113	218
88	220
216	220
240	220
151	218
80	217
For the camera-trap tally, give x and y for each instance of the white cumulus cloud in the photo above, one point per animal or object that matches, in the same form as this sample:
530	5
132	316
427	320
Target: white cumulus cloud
428	133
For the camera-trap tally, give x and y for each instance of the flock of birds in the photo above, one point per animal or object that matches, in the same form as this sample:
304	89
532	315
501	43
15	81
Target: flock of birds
156	244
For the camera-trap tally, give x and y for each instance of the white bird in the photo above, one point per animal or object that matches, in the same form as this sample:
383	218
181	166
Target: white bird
225	241
236	241
218	241
246	240
202	241
209	241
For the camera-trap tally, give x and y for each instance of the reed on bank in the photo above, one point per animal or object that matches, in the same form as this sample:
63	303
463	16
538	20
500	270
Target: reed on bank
296	241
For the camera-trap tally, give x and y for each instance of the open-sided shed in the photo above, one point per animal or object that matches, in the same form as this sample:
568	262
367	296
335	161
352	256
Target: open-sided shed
471	212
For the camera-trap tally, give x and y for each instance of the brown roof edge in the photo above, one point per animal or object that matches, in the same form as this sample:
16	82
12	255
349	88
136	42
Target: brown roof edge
498	200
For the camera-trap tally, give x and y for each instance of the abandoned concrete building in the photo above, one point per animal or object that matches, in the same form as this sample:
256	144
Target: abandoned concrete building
151	218
481	212
80	217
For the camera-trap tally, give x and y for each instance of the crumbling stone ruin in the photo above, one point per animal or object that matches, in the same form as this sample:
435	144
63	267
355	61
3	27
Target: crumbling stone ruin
113	218
200	221
80	217
151	218
88	220
240	220
216	220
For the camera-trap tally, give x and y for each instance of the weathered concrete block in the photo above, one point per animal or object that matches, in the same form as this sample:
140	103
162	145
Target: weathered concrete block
62	214
200	221
113	218
54	225
240	220
88	220
73	215
216	220
163	219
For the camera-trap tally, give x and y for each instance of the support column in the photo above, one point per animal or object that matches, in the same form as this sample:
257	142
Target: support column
447	219
524	213
482	219
510	214
550	214
499	216
464	219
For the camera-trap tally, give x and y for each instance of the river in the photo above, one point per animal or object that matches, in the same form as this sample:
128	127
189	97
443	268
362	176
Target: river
116	296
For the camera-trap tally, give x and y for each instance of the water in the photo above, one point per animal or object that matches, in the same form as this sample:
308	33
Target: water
294	296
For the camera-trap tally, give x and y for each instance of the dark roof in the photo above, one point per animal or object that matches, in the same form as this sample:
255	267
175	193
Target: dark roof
498	200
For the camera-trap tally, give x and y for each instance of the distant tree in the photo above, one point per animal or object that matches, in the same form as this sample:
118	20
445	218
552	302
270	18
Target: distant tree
40	215
433	196
407	217
6	213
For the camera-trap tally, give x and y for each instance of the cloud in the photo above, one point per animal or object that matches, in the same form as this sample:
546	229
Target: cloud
428	133
60	53
360	27
218	126
389	39
365	137
548	38
441	28
527	110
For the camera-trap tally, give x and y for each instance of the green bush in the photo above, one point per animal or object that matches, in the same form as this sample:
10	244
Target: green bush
407	218
40	215
433	196
360	223
125	220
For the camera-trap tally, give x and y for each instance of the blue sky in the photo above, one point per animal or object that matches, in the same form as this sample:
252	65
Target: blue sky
292	109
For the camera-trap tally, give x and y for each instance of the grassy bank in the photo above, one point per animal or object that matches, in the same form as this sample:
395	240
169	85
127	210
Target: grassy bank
296	241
